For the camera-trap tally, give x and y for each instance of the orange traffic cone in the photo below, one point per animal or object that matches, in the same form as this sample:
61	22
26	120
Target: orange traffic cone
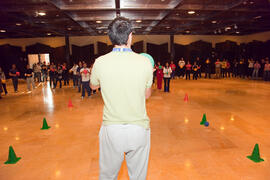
70	103
186	98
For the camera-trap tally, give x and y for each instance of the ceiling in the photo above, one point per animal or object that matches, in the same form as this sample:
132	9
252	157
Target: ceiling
40	18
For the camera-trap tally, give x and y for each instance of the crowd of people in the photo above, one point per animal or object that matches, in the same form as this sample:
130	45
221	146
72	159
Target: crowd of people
60	75
56	75
249	69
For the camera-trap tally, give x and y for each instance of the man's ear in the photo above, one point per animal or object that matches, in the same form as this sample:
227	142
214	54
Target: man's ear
130	39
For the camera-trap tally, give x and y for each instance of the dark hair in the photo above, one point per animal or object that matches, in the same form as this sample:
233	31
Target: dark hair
119	30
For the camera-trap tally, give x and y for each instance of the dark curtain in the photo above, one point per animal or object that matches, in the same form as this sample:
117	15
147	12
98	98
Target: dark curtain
159	52
137	47
12	55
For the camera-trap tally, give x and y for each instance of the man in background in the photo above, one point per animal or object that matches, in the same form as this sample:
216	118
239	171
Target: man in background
125	130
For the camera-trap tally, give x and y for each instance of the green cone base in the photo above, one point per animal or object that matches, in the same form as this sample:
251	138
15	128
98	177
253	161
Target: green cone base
255	159
13	161
44	128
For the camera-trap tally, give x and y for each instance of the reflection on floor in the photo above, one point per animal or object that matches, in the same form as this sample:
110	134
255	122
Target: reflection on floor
181	149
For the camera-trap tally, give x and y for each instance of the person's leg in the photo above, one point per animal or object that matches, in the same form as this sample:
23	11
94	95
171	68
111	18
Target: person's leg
16	84
83	88
257	74
4	85
33	83
60	82
110	154
168	85
165	84
79	84
87	85
28	84
186	75
137	160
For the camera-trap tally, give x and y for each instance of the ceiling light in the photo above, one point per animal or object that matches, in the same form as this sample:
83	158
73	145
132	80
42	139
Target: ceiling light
49	34
257	17
168	27
101	27
98	22
2	31
41	13
138	21
214	22
237	32
191	12
162	0
251	2
18	24
177	14
69	28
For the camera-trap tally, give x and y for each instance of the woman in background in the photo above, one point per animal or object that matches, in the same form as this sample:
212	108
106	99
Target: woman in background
188	70
159	74
195	71
167	71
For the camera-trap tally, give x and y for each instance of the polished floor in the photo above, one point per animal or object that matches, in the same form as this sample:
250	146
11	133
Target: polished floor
238	112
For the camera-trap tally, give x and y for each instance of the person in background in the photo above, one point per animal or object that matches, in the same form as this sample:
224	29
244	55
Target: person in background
267	71
242	68
159	74
52	75
173	67
65	74
44	72
234	68
79	77
195	71
37	72
261	72
218	68
208	68
198	63
59	76
3	81
223	68
1	90
14	74
250	67
256	69
167	72
85	75
188	70
228	69
181	65
74	74
29	78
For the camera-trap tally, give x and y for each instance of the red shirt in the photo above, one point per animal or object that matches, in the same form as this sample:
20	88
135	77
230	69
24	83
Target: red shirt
173	67
188	67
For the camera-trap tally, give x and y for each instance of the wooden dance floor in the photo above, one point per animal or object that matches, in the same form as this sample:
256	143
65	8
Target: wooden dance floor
181	149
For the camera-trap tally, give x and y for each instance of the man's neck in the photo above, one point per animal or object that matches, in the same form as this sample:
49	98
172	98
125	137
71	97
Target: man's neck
122	46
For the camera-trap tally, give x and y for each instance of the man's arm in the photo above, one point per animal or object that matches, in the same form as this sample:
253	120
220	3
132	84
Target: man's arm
94	81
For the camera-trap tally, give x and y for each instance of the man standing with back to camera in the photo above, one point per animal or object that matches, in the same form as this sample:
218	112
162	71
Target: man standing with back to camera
125	79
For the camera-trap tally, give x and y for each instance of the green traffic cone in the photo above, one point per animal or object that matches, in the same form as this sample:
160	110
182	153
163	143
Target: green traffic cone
203	119
45	125
12	158
255	154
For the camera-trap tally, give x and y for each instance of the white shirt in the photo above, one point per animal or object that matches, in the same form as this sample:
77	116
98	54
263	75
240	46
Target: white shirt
181	63
85	73
74	69
167	72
